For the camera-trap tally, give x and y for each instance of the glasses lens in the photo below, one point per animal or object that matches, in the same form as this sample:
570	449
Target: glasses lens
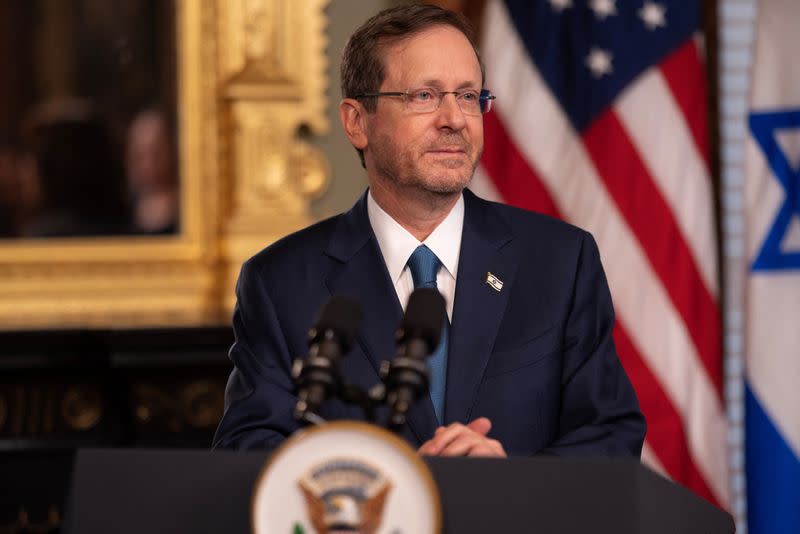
423	100
486	100
469	102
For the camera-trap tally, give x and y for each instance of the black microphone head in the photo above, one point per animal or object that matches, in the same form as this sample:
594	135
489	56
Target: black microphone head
425	315
339	315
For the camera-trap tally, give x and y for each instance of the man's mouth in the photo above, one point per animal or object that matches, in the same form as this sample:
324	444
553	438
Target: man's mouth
448	150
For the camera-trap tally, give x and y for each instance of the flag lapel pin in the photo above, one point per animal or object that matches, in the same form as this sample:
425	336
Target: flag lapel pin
494	282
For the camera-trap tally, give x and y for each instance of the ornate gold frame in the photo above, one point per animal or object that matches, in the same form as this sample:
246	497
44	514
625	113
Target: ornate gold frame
250	73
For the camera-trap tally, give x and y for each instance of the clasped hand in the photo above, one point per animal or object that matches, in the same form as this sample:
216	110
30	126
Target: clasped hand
457	439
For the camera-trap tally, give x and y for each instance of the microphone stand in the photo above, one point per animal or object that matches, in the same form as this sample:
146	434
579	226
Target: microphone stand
404	378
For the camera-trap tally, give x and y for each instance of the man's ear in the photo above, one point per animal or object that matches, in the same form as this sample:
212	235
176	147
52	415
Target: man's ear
353	117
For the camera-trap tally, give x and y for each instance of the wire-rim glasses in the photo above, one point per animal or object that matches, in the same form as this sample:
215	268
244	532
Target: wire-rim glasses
428	99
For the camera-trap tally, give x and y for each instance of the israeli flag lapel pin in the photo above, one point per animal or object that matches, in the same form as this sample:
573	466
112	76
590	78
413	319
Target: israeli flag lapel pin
494	282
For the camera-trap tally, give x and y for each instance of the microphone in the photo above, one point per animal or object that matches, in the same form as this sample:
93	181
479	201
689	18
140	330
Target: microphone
317	377
407	376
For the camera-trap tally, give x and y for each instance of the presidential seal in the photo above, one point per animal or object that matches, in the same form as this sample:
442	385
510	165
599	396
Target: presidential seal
345	477
345	494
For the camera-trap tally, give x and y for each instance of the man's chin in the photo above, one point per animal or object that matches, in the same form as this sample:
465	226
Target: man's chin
446	186
448	161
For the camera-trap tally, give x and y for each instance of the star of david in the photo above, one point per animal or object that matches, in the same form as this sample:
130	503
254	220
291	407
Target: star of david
763	127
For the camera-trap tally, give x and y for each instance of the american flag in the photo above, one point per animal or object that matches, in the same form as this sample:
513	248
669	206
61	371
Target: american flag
600	119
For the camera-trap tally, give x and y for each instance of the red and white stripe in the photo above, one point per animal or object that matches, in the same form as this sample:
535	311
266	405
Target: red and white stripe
638	179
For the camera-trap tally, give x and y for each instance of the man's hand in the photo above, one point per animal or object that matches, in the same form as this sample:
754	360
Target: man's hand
464	440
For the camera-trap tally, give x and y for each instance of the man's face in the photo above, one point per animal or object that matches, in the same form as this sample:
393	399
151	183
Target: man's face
436	151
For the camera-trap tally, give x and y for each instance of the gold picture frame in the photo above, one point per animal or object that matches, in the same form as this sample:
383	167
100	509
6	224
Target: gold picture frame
251	73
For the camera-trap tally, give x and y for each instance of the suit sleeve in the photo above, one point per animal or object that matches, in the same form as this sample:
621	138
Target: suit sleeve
600	414
259	397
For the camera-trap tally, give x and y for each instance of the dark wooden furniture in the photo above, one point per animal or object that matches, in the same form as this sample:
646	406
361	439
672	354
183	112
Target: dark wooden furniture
62	390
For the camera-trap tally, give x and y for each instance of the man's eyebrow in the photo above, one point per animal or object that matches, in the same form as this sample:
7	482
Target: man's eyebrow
438	84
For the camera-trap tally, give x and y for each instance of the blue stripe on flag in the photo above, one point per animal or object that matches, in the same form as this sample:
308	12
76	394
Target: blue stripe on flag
559	41
773	475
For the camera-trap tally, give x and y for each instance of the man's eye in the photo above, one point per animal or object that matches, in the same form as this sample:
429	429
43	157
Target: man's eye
423	95
470	96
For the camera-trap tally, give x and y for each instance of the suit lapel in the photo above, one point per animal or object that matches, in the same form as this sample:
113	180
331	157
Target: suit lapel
360	272
478	307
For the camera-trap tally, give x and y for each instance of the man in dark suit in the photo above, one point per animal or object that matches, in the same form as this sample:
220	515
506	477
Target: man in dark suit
528	364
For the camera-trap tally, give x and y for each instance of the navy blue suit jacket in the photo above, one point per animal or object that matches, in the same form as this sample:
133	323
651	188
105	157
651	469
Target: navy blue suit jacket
536	358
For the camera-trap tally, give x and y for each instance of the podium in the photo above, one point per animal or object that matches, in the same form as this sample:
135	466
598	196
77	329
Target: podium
175	491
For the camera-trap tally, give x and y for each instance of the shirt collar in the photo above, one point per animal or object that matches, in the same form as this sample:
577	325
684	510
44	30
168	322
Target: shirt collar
397	244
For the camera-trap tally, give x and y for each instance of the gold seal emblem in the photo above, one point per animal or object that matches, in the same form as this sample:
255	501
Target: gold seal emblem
345	477
345	494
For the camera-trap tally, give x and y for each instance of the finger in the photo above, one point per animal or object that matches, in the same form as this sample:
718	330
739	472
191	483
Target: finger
474	445
482	450
462	445
498	447
426	448
442	439
488	448
430	447
481	425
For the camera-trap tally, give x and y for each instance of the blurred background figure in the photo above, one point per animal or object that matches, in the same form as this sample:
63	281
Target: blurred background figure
81	187
151	174
9	189
19	188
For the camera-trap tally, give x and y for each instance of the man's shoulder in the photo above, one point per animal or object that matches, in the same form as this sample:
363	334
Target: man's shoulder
530	225
297	248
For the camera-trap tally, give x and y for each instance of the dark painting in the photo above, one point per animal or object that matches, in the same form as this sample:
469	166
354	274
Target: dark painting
88	143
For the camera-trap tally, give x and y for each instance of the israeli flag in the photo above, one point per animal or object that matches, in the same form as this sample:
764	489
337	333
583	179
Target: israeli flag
772	210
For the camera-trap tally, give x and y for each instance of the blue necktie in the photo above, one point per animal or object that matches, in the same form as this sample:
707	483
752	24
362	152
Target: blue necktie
424	265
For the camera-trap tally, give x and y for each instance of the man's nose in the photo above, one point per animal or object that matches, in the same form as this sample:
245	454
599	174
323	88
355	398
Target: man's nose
450	114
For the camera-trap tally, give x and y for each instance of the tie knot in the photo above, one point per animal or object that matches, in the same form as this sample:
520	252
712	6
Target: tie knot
424	265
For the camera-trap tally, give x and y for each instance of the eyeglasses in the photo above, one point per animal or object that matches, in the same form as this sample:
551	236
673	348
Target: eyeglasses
428	99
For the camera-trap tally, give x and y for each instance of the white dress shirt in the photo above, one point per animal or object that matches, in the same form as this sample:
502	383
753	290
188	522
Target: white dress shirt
397	244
